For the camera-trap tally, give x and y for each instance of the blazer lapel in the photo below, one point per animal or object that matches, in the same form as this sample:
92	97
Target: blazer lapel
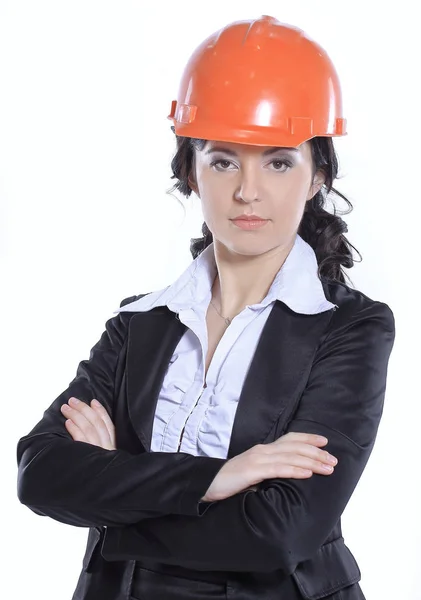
276	378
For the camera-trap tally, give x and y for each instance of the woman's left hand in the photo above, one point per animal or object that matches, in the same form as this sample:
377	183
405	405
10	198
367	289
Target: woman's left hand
91	424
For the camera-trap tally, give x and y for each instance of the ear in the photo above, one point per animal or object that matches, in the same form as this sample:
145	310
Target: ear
192	183
316	186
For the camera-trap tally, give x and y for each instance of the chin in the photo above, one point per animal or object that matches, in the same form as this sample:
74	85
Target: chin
247	247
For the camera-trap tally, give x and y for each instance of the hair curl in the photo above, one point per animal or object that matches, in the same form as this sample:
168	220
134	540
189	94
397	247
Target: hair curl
321	229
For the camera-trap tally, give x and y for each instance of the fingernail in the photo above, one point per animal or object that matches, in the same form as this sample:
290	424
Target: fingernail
95	403
74	401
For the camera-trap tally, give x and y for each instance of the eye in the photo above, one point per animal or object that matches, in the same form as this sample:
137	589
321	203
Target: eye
216	162
284	163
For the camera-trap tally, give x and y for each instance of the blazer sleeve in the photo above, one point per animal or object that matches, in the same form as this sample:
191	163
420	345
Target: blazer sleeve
84	485
286	520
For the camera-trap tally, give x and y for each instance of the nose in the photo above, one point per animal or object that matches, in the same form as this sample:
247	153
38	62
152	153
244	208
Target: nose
247	190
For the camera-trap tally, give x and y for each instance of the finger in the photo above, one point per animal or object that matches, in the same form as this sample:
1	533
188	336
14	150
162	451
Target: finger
290	464
308	438
93	417
103	413
79	418
307	450
303	462
74	431
268	468
304	450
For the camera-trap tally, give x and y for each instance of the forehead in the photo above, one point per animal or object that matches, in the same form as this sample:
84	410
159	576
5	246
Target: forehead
237	149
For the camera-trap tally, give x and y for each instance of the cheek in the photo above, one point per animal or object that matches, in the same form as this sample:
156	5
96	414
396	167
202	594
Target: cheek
294	189
289	201
288	214
213	208
214	198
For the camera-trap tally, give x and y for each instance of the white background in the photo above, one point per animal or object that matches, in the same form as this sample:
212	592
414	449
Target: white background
85	150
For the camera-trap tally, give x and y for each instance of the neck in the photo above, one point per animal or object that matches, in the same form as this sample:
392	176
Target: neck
242	280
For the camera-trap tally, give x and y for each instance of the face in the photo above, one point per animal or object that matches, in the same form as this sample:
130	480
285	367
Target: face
231	179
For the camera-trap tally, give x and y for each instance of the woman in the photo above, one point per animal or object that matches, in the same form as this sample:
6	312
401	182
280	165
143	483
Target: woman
235	409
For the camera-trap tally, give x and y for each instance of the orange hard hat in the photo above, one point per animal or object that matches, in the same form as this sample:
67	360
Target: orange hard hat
259	82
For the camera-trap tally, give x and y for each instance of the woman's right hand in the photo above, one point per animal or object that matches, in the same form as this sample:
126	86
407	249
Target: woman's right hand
294	455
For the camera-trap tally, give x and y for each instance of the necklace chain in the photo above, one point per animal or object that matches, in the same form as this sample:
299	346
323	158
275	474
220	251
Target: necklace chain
226	319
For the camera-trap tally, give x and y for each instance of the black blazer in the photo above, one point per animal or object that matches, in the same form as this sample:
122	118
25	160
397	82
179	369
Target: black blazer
323	373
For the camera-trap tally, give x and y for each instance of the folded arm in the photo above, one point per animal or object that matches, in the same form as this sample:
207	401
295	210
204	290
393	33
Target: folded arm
84	485
287	520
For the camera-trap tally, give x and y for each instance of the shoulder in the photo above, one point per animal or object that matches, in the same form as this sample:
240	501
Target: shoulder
124	317
354	305
130	299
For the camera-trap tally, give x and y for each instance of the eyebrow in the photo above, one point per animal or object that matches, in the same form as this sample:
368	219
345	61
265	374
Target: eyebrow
265	153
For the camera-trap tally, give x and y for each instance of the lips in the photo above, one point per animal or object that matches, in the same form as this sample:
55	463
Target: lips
249	219
250	224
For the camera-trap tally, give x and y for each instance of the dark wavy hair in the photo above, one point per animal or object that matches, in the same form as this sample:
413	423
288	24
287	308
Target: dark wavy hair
321	229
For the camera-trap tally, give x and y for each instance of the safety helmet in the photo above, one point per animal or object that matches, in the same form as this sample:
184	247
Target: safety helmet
259	82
